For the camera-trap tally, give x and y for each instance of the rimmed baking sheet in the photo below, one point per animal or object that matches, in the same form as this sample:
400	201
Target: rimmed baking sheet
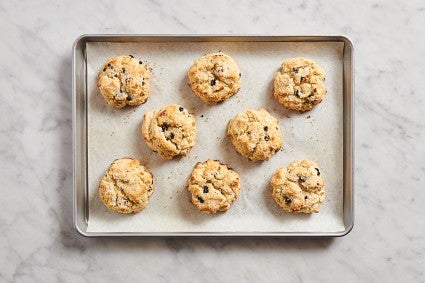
316	135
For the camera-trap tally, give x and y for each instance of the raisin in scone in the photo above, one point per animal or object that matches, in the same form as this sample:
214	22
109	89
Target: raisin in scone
123	81
298	188
126	186
170	131
214	77
214	186
256	135
300	84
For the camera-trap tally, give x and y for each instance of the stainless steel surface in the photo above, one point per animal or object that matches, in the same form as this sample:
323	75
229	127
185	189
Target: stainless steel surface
79	114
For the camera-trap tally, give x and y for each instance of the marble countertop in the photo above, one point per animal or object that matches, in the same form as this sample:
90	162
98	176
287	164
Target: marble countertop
37	239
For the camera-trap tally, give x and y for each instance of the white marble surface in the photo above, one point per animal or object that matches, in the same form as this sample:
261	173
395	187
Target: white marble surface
37	239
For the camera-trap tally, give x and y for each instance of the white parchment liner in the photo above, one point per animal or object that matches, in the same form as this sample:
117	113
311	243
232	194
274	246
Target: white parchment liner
314	135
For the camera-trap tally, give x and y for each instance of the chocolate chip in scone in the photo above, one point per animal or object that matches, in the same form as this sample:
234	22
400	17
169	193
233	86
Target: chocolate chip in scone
128	98
212	82
104	69
306	197
302	179
143	83
288	200
206	190
297	93
123	70
201	200
172	136
131	56
267	138
181	109
266	128
295	70
164	127
140	62
318	172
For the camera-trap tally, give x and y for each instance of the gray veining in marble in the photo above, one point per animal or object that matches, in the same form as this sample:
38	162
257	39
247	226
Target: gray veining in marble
37	239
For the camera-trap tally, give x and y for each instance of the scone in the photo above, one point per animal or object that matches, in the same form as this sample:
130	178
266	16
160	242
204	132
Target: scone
299	188
214	77
214	186
123	81
256	135
126	186
170	131
300	84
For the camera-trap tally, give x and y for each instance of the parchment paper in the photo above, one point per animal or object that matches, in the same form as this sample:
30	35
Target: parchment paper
314	135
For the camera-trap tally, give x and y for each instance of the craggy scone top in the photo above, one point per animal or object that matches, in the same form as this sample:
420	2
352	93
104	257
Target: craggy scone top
255	134
213	186
214	77
123	81
298	188
300	84
170	131
126	186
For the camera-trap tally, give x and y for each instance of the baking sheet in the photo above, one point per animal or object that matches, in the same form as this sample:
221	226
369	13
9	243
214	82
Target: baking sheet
315	135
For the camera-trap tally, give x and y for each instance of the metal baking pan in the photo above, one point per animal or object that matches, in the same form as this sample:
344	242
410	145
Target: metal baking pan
81	95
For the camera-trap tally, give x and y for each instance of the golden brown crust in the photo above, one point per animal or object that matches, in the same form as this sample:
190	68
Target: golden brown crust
126	186
123	81
256	135
170	131
299	85
298	188
214	186
214	77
